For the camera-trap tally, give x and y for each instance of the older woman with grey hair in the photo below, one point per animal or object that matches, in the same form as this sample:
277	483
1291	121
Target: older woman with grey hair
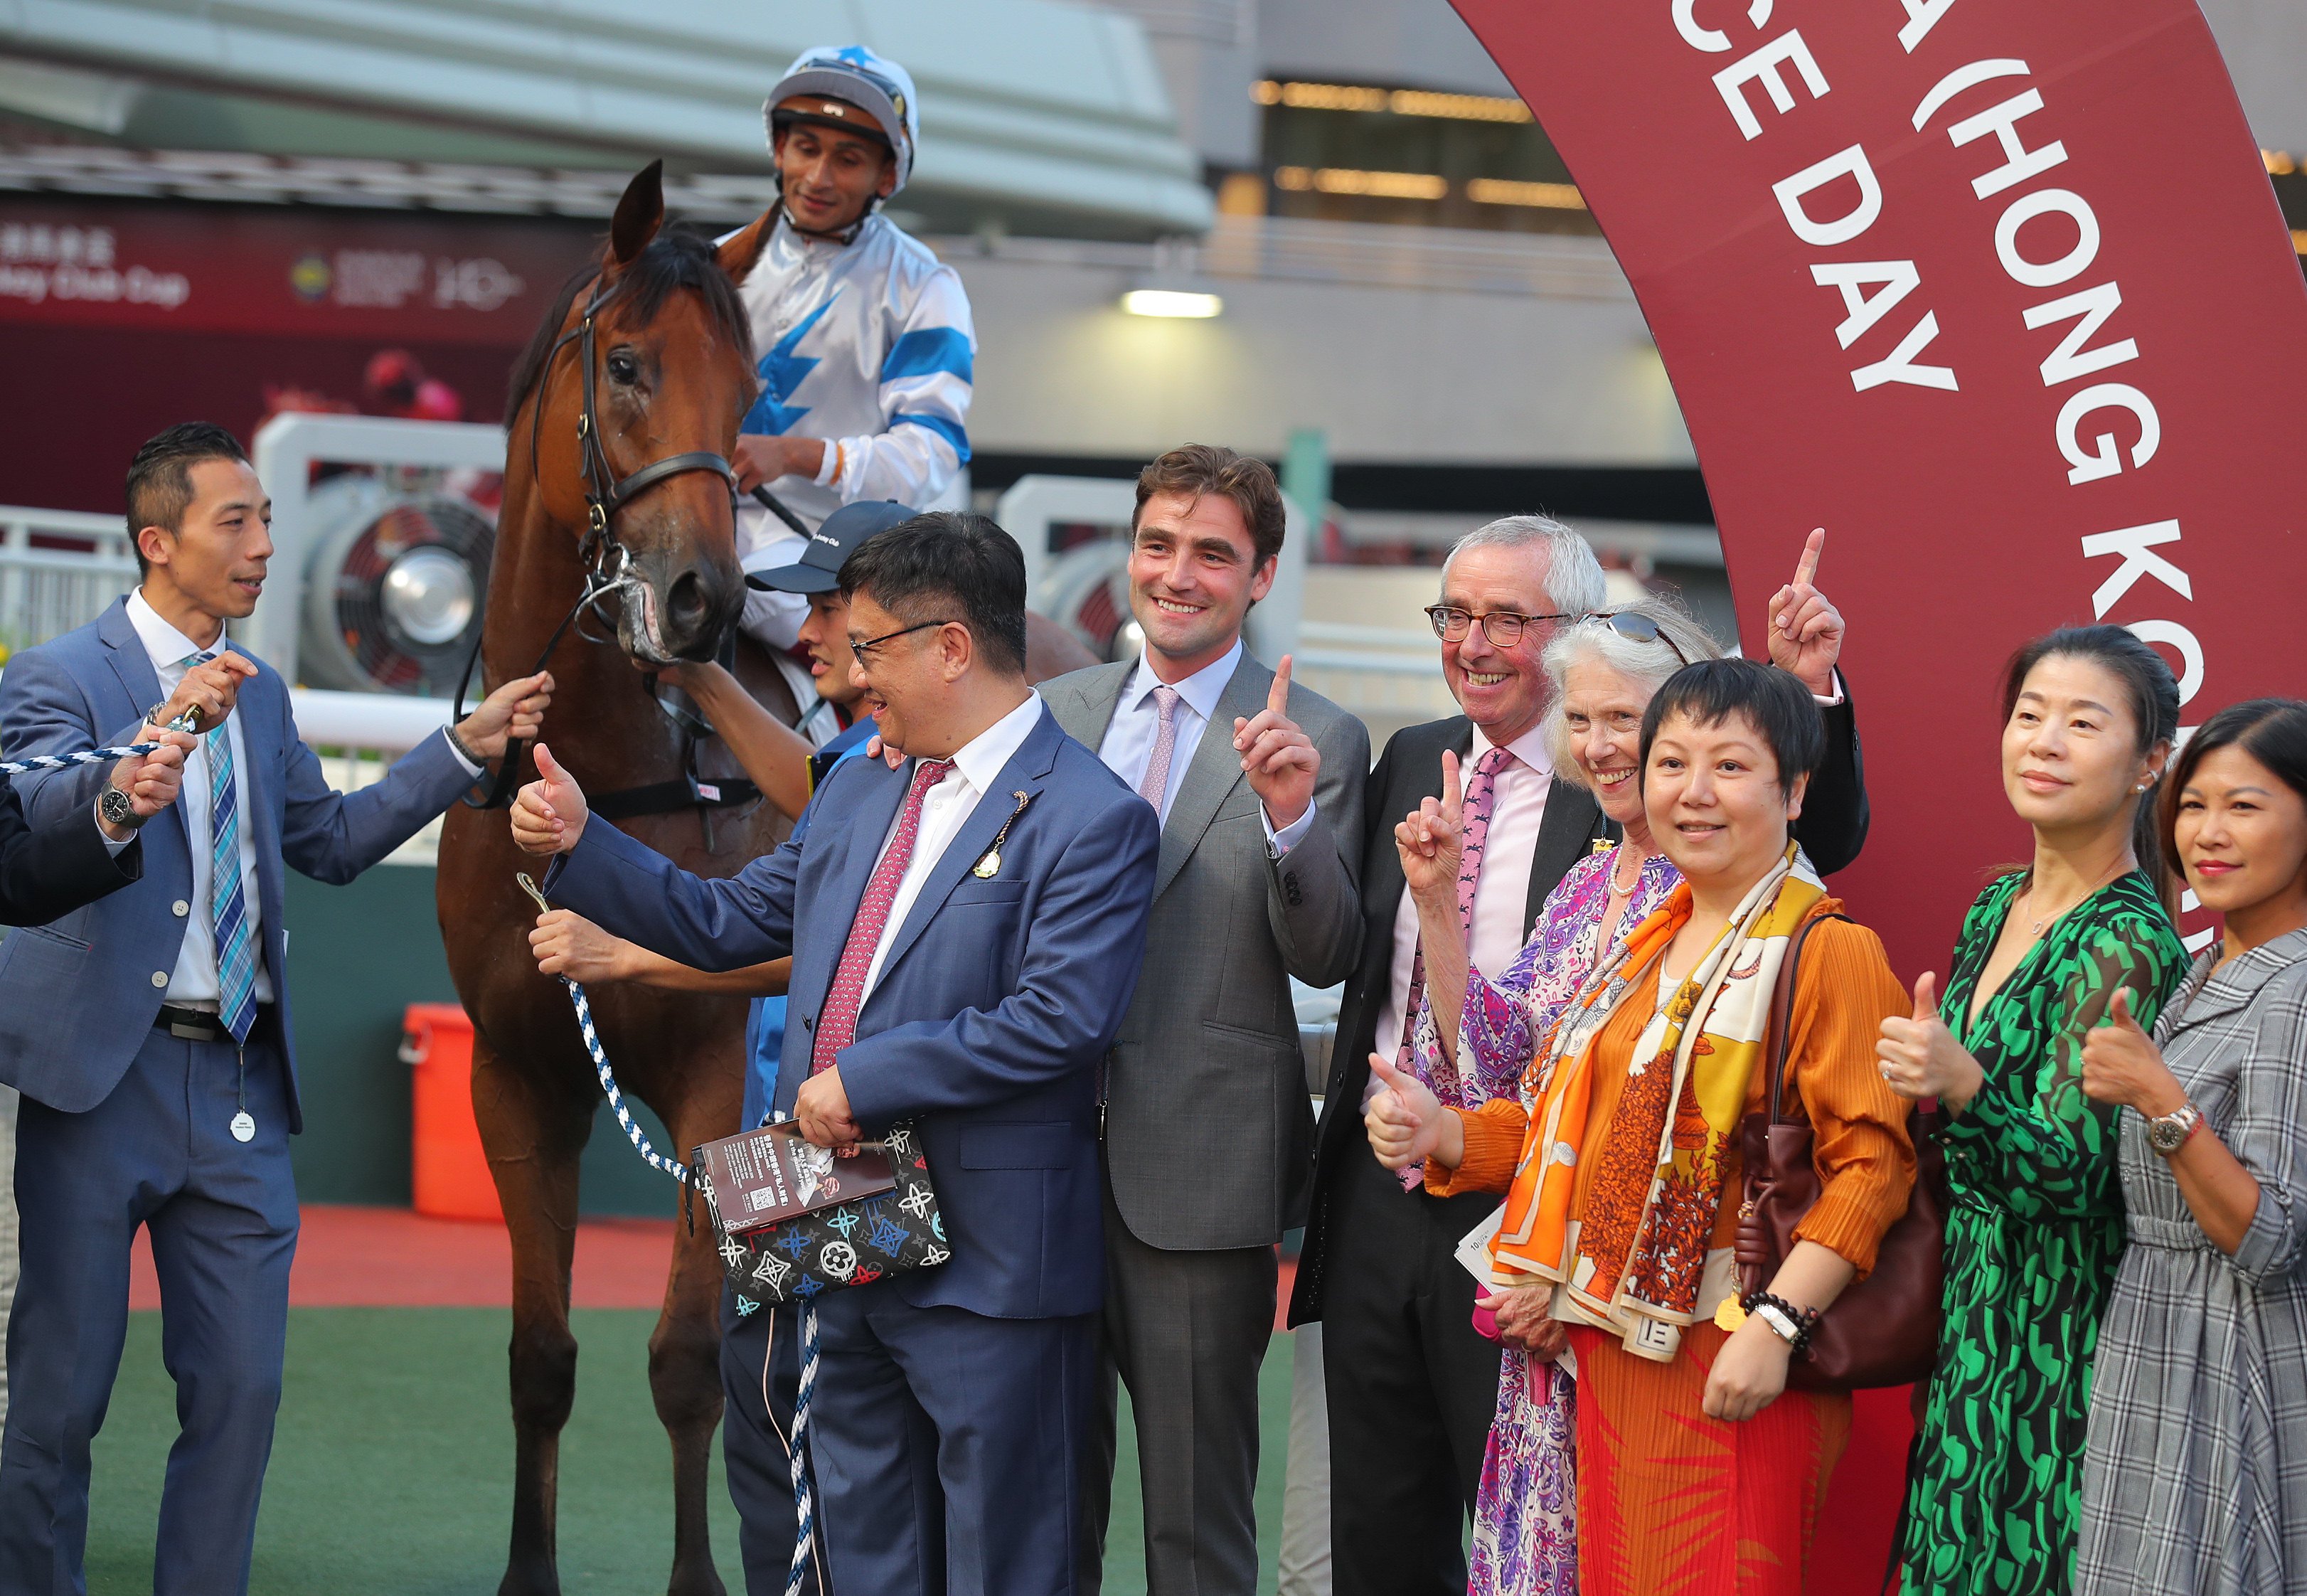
1603	669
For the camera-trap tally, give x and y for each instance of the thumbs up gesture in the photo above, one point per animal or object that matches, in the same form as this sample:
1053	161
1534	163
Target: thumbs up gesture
549	815
1404	1121
1920	1056
2122	1065
1279	760
1431	841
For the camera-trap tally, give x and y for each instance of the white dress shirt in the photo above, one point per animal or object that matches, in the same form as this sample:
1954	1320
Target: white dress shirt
1128	745
1501	891
194	983
976	765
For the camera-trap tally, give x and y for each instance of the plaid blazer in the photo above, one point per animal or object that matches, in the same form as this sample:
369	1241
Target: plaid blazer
2195	1475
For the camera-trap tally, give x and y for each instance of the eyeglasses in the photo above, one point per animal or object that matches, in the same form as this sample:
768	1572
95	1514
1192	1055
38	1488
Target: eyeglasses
1503	628
1637	628
861	649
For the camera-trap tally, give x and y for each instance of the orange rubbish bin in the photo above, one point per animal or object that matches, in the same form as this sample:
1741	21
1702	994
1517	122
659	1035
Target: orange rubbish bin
450	1172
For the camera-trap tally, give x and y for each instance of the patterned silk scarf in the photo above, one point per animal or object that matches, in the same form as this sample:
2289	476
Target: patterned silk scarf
1634	1261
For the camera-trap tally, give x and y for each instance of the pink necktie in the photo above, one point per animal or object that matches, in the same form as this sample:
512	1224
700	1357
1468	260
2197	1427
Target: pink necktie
1155	785
836	1023
1474	822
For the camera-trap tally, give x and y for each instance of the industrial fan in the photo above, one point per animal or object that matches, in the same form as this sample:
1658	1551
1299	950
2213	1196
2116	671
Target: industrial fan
395	584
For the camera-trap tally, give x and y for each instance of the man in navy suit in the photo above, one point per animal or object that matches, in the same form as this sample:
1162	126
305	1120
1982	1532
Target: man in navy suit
964	946
149	1031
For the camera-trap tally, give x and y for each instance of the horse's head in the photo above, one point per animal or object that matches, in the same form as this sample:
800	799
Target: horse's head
670	373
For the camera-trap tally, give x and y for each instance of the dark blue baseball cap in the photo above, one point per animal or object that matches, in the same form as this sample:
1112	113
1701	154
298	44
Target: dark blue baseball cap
818	568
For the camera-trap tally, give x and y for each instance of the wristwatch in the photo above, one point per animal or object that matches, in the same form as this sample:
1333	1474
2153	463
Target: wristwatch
2168	1133
1783	1327
118	808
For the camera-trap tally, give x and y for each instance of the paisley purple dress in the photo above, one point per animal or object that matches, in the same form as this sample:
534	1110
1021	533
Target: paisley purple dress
1525	1529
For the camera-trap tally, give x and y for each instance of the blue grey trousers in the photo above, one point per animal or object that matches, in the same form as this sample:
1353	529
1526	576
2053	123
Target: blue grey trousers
760	1369
949	1447
222	1214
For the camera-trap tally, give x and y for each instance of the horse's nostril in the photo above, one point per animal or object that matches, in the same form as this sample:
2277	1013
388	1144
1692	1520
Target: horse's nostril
686	601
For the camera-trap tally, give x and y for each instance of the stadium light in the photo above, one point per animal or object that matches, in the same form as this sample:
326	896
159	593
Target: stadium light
1187	302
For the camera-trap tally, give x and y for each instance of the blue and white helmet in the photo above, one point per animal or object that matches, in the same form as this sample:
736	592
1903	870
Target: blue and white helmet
844	79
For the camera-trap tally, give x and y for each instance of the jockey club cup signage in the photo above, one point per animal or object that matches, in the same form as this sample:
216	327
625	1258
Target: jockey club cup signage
189	267
2000	296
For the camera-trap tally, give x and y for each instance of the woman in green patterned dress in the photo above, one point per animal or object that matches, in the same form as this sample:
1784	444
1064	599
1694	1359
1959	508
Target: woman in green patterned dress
2036	1228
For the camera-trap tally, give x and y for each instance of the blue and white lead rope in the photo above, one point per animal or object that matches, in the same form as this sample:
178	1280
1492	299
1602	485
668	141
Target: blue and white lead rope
805	1509
189	721
87	756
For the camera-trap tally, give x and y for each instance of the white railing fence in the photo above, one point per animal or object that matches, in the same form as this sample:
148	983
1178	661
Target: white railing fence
58	568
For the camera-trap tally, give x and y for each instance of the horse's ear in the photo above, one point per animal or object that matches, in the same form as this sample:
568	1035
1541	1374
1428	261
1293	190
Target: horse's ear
737	252
639	214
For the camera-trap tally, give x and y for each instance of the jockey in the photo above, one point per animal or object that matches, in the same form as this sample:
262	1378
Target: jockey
863	337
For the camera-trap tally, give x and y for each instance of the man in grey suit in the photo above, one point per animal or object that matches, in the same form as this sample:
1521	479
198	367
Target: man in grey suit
1208	1133
149	1031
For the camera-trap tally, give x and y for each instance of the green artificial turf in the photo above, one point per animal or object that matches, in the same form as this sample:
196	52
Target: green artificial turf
392	1464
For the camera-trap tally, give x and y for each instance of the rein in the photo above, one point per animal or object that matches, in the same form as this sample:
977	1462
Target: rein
607	569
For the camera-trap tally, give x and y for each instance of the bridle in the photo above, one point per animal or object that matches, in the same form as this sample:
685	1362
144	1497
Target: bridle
605	491
605	564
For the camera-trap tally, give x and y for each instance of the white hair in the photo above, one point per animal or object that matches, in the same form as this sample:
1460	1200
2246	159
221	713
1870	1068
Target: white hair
1573	577
1645	664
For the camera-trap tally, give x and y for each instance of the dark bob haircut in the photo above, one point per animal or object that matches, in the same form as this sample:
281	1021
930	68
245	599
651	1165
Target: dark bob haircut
2272	731
160	476
951	562
1780	709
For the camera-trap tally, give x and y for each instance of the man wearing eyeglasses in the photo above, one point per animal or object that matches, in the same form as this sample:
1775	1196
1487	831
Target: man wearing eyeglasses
1412	1385
966	942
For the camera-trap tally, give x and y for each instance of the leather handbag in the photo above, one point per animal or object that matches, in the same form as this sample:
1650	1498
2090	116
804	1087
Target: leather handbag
1884	1330
843	1244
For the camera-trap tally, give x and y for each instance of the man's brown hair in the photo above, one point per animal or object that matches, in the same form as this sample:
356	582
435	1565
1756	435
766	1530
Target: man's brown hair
1198	468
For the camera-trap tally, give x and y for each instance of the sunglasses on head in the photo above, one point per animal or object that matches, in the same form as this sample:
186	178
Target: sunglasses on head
1637	628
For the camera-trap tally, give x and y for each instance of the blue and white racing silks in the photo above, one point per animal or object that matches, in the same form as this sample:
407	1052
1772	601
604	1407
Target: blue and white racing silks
869	345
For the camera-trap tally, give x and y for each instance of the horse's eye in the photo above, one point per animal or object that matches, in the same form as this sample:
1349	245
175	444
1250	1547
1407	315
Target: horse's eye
623	368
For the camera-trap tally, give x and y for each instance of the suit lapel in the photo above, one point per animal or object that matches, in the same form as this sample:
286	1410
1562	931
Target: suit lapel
1025	773
1213	773
259	758
134	668
864	831
1422	782
1084	710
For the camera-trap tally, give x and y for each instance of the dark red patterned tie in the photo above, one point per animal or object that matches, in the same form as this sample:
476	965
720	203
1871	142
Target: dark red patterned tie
836	1023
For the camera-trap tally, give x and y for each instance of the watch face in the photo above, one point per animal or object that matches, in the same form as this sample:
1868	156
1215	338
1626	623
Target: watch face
117	808
2166	1136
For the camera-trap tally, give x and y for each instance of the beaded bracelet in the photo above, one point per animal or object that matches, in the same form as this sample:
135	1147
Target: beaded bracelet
1803	1319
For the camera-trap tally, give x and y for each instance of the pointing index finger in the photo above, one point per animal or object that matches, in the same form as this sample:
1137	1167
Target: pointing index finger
1806	568
1277	696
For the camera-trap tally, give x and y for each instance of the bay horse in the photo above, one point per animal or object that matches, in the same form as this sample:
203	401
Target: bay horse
650	344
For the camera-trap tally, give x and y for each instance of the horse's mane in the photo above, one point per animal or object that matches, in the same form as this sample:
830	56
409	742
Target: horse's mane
679	257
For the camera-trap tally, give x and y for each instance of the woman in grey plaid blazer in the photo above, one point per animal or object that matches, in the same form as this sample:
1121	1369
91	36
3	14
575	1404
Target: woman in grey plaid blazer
2195	1476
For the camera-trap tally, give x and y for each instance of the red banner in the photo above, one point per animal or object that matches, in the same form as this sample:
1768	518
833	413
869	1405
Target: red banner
300	272
1999	295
